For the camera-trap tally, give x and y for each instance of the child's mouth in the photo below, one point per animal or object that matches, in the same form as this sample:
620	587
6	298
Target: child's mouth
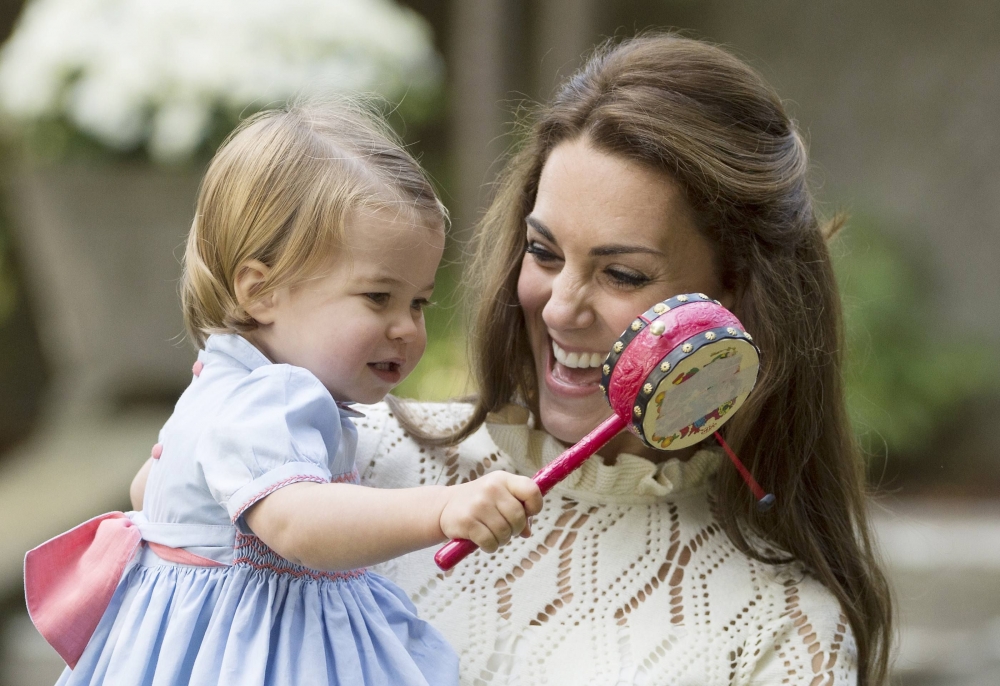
387	371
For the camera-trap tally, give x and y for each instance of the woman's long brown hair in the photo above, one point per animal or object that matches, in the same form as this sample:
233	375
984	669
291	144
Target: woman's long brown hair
694	111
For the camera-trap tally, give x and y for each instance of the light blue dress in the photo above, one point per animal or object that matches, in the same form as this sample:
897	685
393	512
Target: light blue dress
244	428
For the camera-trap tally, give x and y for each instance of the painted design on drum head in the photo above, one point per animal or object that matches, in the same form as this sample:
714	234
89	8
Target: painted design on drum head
686	407
716	355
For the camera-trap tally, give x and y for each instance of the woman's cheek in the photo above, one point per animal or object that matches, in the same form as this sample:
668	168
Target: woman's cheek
533	289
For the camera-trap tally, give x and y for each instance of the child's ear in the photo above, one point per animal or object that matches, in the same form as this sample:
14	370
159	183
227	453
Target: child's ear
249	278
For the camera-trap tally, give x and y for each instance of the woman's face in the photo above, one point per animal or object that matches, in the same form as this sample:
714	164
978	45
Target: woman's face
607	239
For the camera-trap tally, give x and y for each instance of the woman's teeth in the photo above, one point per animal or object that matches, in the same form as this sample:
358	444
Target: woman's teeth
386	366
577	360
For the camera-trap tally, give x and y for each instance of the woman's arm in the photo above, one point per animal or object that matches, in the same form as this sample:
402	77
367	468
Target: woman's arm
807	639
138	487
342	526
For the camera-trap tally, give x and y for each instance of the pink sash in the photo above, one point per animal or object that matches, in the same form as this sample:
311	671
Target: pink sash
69	580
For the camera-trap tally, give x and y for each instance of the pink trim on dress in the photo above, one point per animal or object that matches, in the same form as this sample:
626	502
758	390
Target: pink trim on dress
273	487
253	552
351	477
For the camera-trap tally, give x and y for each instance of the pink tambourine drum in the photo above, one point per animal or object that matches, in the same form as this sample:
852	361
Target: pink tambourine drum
675	376
680	370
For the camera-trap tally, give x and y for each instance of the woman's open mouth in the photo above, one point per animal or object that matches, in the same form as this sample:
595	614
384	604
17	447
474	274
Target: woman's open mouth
573	373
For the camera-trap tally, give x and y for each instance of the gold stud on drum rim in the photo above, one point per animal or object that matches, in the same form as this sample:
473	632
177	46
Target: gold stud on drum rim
687	347
682	298
665	367
710	336
647	389
636	325
618	346
703	296
606	369
637	411
731	331
660	308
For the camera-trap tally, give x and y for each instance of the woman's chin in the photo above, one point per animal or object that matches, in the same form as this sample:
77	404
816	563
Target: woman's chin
569	422
570	401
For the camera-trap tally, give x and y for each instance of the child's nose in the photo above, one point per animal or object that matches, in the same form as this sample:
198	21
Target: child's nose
404	328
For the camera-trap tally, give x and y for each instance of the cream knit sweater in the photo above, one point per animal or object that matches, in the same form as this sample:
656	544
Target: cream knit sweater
626	579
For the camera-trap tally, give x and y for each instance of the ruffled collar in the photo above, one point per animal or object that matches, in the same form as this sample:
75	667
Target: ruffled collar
631	479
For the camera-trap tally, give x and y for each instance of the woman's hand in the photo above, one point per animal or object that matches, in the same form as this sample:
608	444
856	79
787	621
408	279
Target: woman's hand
138	487
491	509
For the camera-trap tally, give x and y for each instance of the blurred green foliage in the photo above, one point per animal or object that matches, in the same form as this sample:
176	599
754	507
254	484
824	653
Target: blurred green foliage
443	370
907	372
8	286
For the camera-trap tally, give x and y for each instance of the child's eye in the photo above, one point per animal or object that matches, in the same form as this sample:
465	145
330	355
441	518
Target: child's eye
419	304
540	252
378	298
626	278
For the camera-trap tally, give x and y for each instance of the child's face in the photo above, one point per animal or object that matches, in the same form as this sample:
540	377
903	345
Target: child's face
359	327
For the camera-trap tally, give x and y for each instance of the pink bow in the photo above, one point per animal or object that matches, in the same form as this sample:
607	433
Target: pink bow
69	580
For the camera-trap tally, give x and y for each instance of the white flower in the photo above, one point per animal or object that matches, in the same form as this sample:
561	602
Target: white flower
178	128
132	72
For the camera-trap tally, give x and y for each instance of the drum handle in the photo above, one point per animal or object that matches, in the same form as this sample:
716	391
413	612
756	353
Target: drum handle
548	476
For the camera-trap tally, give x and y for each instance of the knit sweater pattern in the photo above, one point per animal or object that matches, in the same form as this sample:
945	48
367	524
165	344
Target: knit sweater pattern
627	577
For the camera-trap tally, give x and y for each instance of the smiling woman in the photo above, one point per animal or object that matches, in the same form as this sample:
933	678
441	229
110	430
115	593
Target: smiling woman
595	258
664	166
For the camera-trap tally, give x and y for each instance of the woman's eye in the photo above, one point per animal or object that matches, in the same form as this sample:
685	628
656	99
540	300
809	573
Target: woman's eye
540	253
419	304
626	278
378	298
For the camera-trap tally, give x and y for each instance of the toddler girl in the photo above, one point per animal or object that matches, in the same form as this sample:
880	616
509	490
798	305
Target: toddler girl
312	254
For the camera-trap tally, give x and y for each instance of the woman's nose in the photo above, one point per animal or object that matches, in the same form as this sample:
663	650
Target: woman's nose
569	304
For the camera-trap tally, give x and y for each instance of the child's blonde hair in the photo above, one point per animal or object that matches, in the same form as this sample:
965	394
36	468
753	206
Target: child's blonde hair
279	190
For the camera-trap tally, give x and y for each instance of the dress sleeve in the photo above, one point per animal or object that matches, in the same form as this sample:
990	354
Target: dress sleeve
809	643
279	427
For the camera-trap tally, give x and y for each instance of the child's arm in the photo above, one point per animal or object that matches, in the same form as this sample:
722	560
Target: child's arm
138	487
342	526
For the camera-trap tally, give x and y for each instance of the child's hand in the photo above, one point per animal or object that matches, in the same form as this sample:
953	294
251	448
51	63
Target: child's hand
491	509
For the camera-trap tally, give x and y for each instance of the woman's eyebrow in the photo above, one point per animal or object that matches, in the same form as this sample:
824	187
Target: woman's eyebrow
542	229
598	251
622	249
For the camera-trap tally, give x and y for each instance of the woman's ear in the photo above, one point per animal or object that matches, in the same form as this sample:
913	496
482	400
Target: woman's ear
728	300
250	277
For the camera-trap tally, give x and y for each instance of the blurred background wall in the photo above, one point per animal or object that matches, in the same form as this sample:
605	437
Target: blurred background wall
899	102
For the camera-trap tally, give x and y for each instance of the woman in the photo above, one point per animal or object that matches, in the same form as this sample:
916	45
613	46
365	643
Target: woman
664	166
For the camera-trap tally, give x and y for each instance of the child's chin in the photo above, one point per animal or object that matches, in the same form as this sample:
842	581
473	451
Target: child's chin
370	397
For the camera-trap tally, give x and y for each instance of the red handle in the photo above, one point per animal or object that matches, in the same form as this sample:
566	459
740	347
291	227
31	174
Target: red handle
548	476
453	552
